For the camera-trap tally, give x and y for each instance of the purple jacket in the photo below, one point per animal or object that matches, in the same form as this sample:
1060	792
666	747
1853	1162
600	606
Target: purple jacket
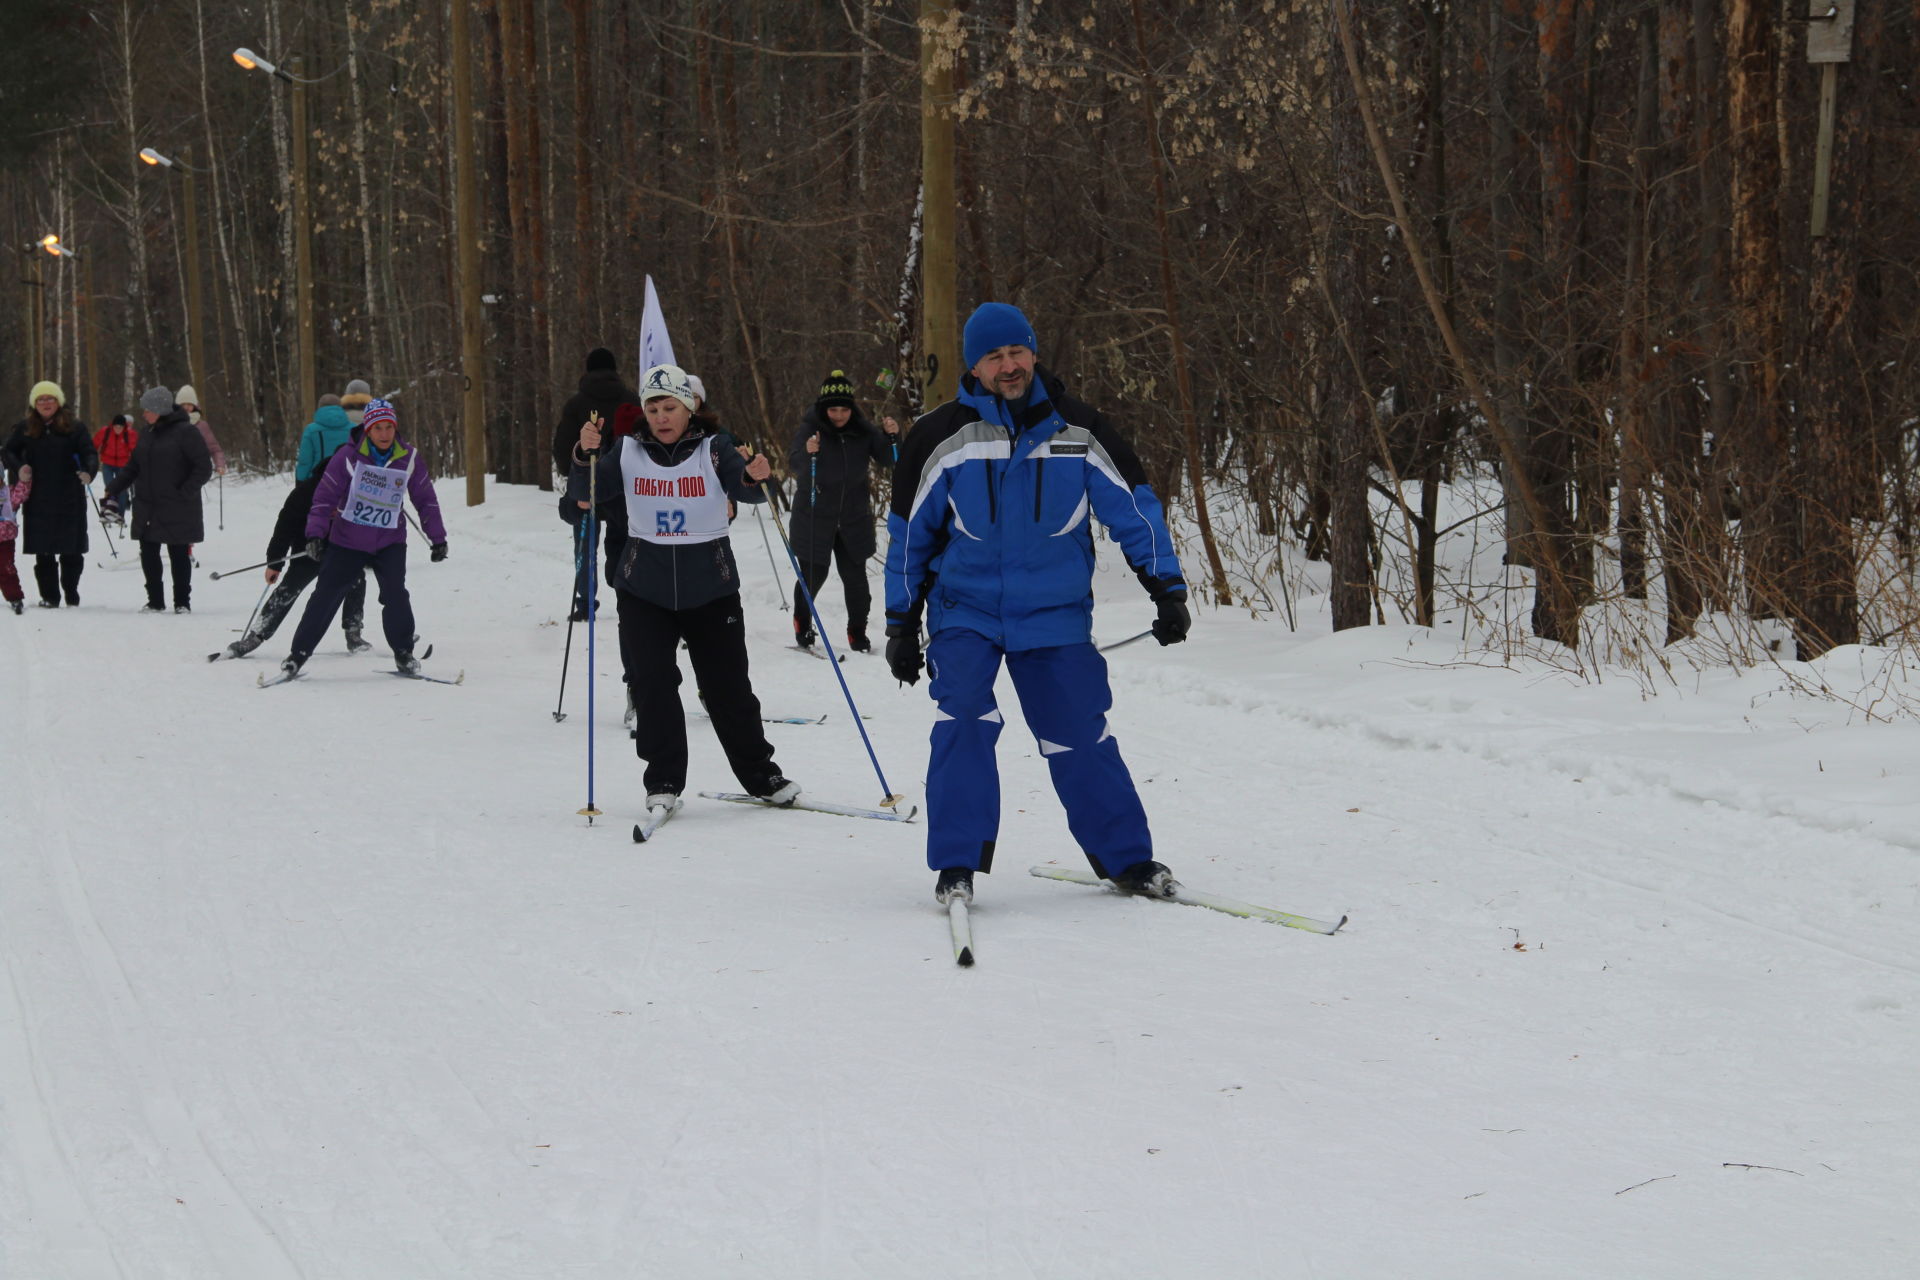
326	521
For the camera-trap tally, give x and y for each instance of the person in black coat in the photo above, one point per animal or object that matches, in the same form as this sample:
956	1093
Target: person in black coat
169	466
287	549
831	457
602	391
59	448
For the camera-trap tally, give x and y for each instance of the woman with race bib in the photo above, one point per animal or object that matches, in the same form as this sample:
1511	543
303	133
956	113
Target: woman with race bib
676	580
359	522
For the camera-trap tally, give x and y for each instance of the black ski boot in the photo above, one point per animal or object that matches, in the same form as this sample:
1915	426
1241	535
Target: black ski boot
356	644
779	791
406	664
290	667
803	632
857	640
954	882
1150	878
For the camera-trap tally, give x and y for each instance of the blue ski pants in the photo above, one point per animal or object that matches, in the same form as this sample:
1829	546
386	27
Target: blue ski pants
1065	697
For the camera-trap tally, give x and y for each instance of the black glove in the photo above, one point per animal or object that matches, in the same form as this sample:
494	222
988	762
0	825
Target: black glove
440	553
316	549
1174	622
903	652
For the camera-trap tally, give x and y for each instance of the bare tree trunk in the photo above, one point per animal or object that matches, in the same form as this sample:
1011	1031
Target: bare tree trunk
372	315
1760	443
586	248
1222	593
1352	434
1631	396
138	287
1839	451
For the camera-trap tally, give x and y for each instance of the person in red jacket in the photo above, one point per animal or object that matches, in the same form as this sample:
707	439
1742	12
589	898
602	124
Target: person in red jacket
114	443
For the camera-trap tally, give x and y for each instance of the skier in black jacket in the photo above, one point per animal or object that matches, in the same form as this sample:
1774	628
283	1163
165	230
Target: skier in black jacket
831	458
602	391
289	539
677	580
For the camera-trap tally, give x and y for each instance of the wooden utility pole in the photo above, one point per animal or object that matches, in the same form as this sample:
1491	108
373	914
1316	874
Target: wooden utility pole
939	313
35	284
90	384
196	312
302	245
467	256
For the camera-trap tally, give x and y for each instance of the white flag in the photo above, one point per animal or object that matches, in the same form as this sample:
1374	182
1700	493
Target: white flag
655	346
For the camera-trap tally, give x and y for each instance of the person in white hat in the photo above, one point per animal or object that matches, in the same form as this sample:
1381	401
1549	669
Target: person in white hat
59	448
189	399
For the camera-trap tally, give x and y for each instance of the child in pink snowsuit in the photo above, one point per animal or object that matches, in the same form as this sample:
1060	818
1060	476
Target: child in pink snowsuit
10	500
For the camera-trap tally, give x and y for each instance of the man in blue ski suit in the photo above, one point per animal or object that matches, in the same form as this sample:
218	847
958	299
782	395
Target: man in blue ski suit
990	535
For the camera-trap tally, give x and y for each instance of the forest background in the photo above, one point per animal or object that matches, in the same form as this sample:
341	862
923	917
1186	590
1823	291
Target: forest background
1649	265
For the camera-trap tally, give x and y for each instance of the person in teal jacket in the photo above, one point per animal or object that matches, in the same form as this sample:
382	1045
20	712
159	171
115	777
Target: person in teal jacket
331	425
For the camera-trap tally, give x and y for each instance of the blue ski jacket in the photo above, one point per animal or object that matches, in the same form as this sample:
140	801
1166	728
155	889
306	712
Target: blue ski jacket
990	527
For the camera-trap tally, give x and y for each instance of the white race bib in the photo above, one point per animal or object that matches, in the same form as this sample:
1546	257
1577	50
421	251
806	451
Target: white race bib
673	504
375	495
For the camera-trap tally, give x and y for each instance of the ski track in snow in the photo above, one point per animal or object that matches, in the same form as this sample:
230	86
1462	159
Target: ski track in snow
329	979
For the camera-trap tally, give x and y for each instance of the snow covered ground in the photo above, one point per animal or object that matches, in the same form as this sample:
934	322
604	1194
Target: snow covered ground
330	981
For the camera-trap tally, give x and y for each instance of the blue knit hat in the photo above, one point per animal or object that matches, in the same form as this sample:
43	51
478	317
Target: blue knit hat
995	324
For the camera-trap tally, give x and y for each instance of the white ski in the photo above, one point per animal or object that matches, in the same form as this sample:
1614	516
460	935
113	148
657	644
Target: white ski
961	927
421	675
1231	906
657	817
817	806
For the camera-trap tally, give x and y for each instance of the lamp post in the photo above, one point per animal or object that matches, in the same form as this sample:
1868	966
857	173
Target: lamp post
939	318
302	221
467	255
33	285
196	331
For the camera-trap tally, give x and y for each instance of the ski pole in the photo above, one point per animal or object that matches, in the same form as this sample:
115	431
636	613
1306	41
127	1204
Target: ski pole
257	603
578	605
102	515
820	627
264	564
593	605
768	544
1121	644
223	500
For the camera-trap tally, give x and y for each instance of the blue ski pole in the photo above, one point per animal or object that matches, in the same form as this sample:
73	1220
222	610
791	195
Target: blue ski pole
833	660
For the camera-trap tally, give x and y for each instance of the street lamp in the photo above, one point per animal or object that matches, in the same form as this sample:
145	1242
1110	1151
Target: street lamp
196	329
302	221
254	62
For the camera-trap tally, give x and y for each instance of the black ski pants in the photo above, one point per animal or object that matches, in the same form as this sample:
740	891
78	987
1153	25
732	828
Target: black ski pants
299	574
180	560
343	567
853	580
52	572
716	637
